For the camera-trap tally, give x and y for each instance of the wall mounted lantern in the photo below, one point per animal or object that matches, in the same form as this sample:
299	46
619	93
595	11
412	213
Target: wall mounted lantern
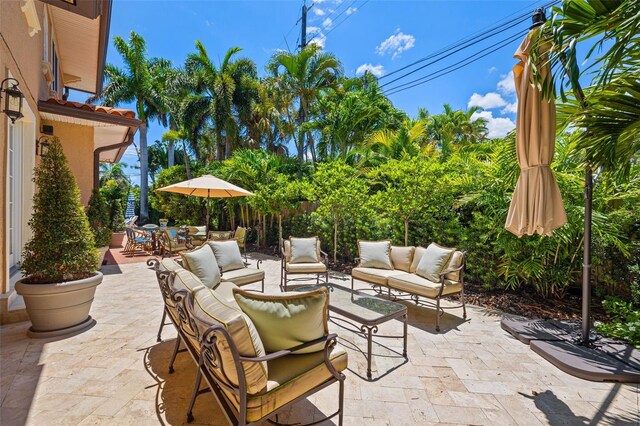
42	144
12	99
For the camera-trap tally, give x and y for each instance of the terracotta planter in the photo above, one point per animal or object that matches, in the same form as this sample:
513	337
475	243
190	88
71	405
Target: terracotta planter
116	239
60	308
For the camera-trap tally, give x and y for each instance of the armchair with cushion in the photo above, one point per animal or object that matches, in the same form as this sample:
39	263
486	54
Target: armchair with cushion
137	240
241	238
250	382
172	242
197	235
302	256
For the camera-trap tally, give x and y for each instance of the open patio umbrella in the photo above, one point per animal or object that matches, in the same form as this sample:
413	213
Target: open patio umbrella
207	186
536	205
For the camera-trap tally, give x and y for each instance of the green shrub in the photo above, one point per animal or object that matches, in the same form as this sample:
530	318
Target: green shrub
98	213
625	321
116	216
62	247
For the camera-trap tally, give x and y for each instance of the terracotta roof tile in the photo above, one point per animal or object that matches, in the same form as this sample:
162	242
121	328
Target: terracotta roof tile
97	108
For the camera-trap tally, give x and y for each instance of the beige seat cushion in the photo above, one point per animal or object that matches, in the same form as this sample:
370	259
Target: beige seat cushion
454	263
288	319
305	268
374	275
434	261
212	307
375	254
401	257
202	262
304	250
225	289
169	264
412	283
292	376
243	276
227	254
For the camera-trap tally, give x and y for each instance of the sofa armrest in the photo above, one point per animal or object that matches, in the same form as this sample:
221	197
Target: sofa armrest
356	260
449	271
329	340
325	256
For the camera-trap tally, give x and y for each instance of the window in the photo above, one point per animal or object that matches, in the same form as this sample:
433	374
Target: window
14	180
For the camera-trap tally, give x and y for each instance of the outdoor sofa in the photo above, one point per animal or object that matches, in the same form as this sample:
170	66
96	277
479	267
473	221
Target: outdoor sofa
429	273
257	353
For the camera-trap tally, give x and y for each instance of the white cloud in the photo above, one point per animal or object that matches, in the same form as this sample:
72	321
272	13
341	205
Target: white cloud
492	70
318	11
316	36
507	84
489	101
351	10
377	70
511	108
327	23
396	44
498	127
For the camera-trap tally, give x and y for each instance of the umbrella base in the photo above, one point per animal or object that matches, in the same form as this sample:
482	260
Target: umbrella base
603	360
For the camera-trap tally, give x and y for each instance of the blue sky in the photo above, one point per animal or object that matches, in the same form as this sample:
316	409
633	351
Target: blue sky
379	35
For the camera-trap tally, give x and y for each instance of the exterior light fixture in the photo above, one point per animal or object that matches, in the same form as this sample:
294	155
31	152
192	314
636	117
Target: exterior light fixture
12	99
538	18
42	144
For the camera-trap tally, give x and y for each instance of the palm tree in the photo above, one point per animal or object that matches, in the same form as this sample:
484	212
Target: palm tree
226	93
409	140
455	128
304	75
139	82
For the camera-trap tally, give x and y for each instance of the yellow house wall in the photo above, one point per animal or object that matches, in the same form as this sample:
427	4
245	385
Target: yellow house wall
77	142
20	57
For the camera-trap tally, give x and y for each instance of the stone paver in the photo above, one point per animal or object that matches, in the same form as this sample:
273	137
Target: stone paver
471	373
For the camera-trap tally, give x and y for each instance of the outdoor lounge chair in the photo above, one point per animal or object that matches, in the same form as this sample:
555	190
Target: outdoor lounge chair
251	388
197	235
302	256
171	242
137	240
241	238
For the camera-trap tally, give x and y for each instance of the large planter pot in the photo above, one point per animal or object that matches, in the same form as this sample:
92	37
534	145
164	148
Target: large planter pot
116	239
61	308
102	253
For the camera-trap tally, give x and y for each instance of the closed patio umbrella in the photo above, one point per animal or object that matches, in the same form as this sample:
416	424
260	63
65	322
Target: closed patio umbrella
536	205
207	186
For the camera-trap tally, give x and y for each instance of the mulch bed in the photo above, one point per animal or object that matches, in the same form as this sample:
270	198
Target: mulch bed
527	304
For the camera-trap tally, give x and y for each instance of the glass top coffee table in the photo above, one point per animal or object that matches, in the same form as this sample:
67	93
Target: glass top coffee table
365	310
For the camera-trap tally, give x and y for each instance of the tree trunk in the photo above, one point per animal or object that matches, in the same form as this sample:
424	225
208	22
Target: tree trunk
227	146
187	166
312	148
279	233
264	229
171	154
144	175
219	147
335	239
406	232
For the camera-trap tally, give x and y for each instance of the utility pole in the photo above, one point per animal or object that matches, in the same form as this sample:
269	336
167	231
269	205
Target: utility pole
303	27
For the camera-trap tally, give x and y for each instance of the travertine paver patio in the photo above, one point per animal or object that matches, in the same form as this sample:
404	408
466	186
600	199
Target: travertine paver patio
471	373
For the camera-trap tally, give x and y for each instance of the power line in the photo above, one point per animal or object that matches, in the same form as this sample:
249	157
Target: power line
468	41
454	67
342	21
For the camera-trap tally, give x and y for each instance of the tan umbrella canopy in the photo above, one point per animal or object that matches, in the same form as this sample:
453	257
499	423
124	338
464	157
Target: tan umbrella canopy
207	186
536	206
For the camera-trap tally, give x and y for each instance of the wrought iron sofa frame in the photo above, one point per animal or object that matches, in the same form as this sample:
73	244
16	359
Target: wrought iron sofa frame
395	294
284	274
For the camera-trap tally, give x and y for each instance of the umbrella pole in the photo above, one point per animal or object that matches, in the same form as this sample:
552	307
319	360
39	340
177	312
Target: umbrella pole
586	262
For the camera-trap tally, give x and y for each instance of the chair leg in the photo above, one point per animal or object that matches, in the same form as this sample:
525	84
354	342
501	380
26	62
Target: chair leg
175	353
464	307
285	280
194	395
351	282
326	277
263	285
318	278
164	317
438	314
341	403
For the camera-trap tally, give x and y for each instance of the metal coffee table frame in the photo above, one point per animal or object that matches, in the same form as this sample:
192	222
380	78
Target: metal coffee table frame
366	327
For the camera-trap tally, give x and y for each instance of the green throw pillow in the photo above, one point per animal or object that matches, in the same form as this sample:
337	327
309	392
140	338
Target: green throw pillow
227	254
433	261
203	264
288	319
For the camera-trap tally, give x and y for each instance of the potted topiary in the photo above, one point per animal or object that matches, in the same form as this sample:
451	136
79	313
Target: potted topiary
116	223
98	215
59	263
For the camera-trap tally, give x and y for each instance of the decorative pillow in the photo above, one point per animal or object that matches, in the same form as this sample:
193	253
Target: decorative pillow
287	319
202	262
212	307
227	254
304	250
186	280
417	256
434	260
375	254
401	257
454	263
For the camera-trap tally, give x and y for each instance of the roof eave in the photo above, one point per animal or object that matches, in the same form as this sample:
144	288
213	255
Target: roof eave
105	26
